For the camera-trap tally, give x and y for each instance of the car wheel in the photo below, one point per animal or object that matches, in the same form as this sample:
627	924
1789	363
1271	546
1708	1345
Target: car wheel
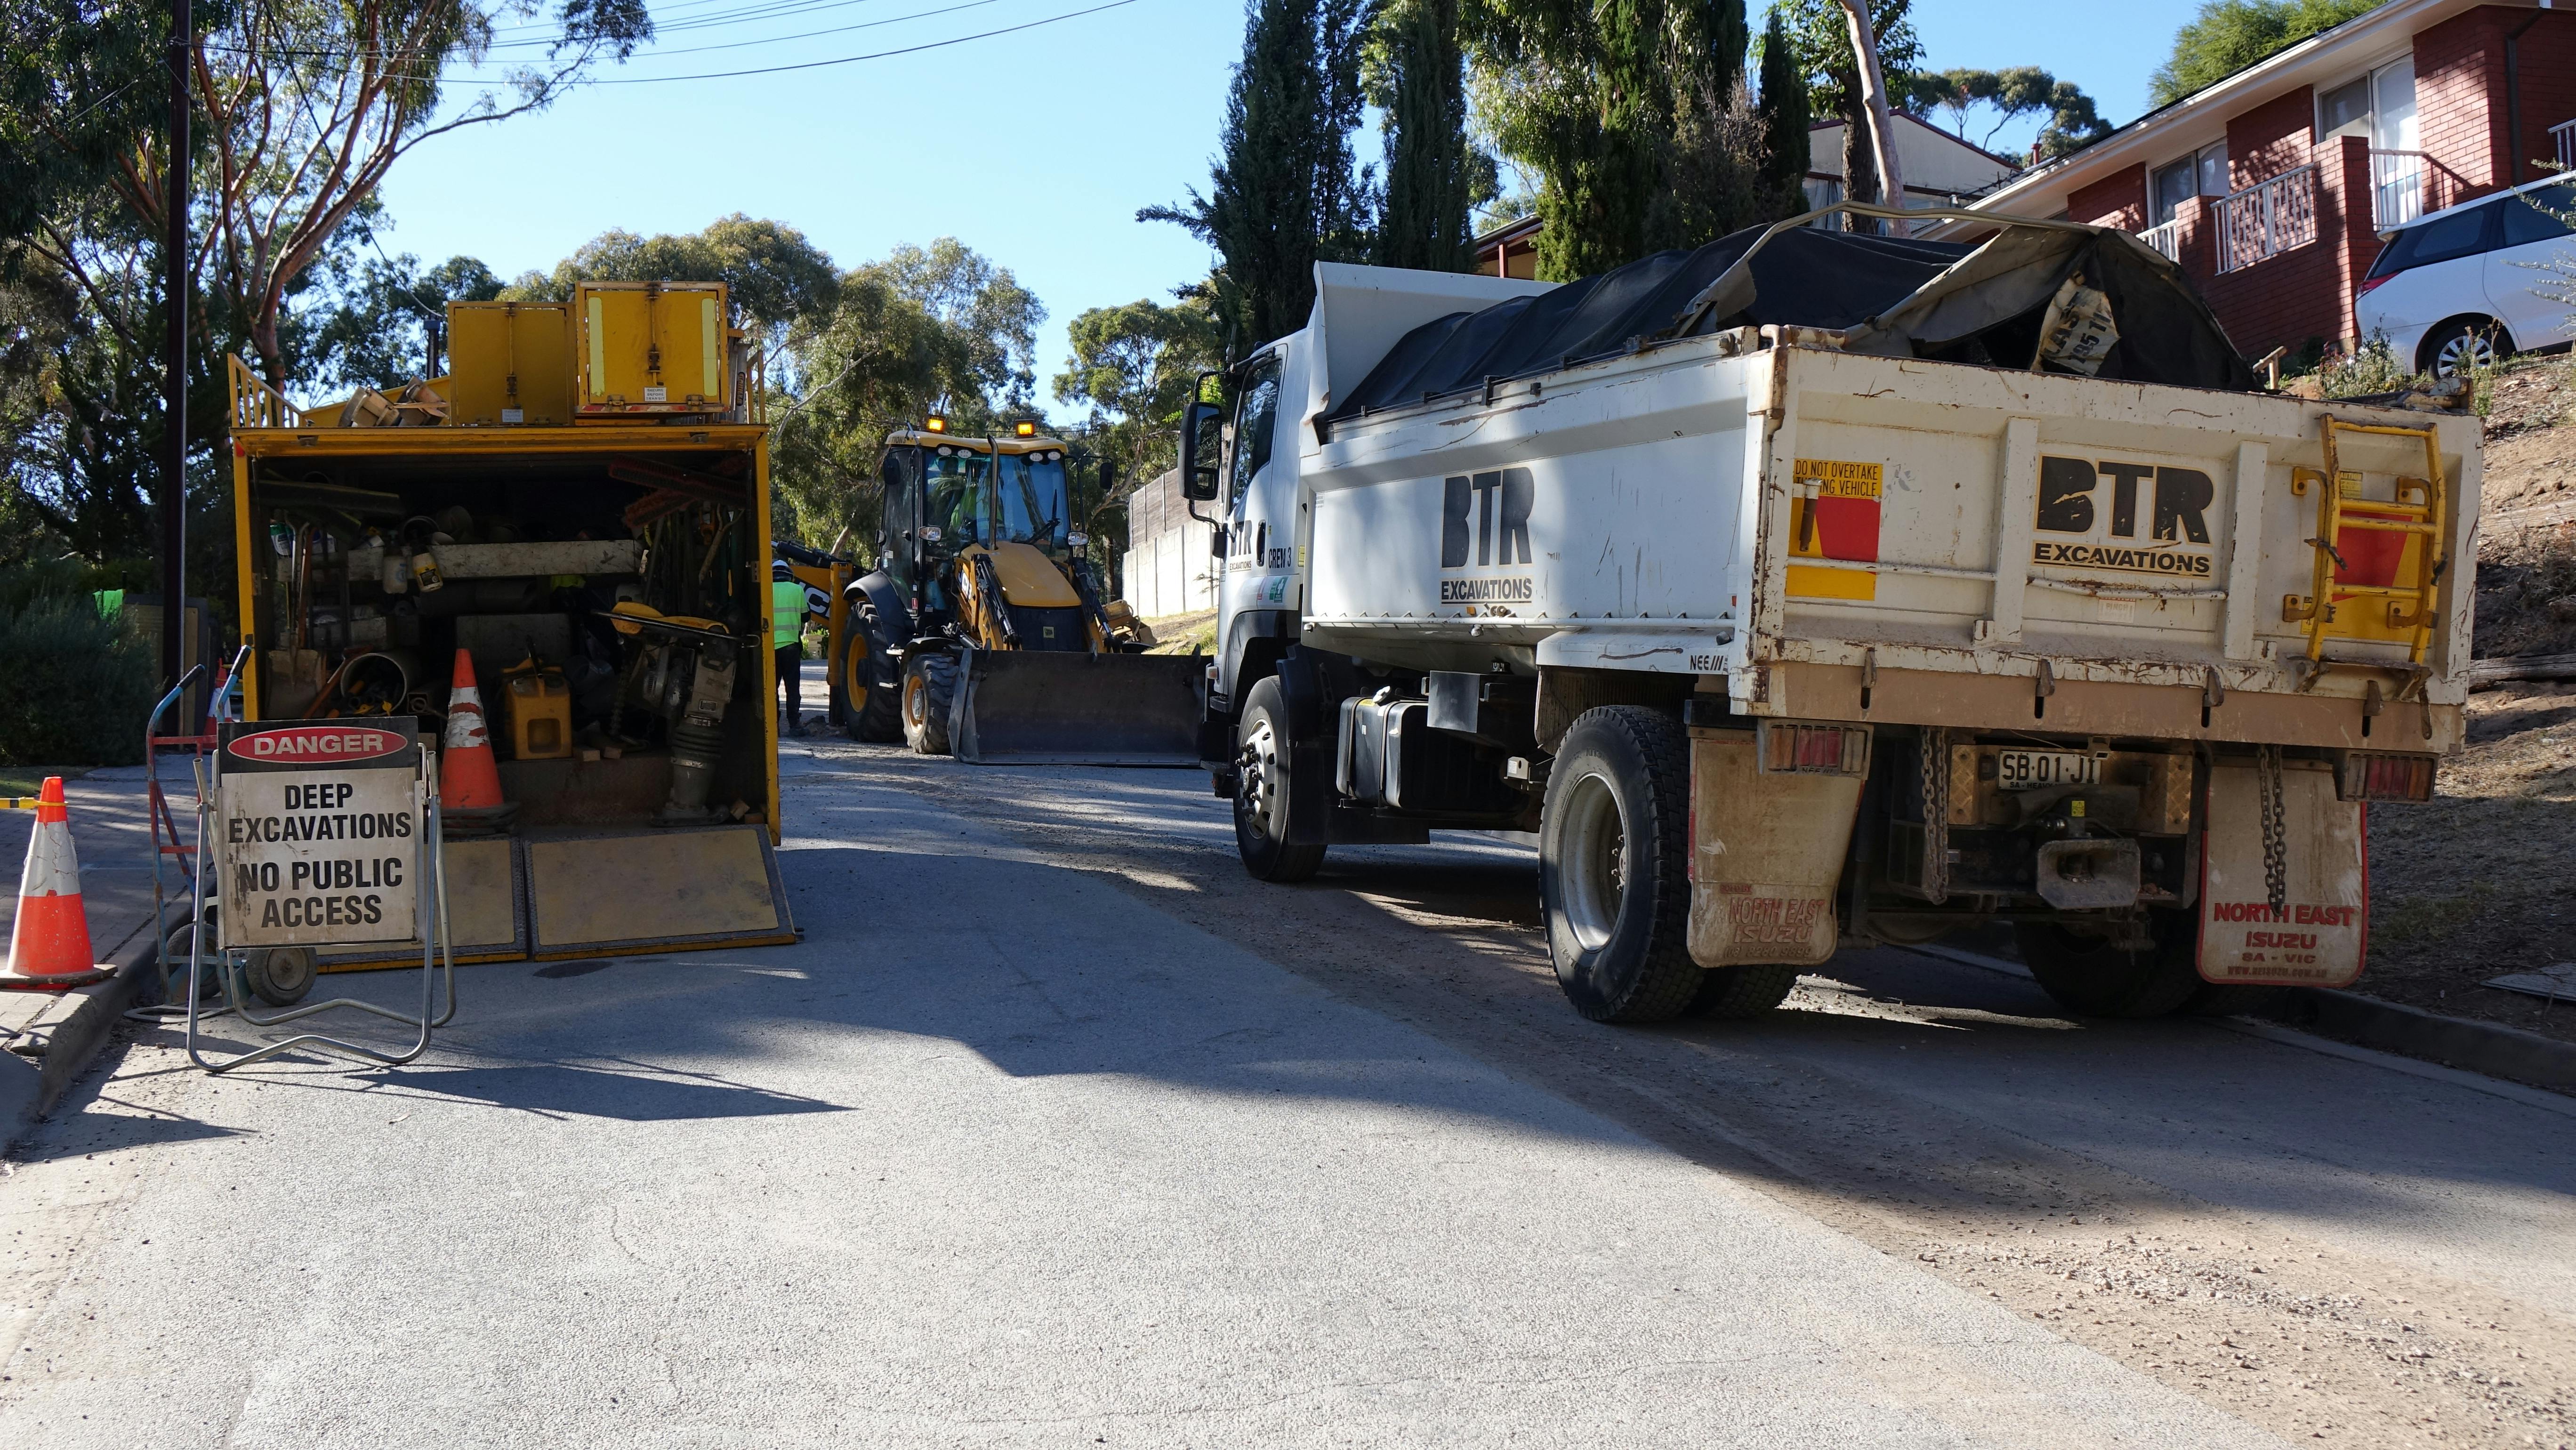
2461	344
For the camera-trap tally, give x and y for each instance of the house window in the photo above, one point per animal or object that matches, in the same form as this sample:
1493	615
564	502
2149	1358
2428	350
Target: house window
2345	108
2201	174
2213	170
2172	184
2379	106
2392	107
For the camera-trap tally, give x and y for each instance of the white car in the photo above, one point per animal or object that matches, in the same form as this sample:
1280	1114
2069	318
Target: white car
2457	287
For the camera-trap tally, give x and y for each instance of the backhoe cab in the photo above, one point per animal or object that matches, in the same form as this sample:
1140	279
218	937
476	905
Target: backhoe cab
984	633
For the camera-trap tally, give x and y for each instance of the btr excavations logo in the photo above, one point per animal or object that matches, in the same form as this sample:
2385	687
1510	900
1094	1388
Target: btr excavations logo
2072	500
1484	524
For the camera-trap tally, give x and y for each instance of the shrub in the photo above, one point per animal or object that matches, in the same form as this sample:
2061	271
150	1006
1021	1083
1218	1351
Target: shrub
74	686
2368	369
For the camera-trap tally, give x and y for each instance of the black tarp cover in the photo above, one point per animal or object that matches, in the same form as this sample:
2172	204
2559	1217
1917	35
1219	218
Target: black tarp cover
1946	300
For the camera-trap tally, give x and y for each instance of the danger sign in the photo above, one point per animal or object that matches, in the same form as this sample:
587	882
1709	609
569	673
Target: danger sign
318	833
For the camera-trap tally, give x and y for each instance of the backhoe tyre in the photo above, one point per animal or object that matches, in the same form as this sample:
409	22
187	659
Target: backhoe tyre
2091	977
1736	994
1613	854
929	690
1261	794
867	710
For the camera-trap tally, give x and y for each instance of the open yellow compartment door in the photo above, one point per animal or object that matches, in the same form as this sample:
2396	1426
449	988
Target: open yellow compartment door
655	890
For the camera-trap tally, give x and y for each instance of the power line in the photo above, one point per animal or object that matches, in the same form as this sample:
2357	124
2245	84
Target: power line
852	59
355	55
780	69
762	10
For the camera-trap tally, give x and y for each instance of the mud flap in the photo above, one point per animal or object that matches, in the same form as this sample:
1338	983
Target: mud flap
2323	929
1766	855
1035	707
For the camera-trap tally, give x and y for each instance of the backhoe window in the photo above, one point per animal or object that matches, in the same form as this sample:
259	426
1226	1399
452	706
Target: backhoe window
899	500
959	504
1033	500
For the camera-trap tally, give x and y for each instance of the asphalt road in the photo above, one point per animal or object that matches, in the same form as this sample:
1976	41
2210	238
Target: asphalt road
1058	1130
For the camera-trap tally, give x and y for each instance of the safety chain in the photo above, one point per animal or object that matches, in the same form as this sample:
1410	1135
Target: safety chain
1936	814
2267	792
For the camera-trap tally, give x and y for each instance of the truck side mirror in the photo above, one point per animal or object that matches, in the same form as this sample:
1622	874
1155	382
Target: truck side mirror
1202	450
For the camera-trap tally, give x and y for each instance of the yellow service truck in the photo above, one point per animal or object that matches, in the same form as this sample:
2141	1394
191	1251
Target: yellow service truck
580	509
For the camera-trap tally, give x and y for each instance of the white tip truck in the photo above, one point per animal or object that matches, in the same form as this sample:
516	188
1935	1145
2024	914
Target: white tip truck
1819	589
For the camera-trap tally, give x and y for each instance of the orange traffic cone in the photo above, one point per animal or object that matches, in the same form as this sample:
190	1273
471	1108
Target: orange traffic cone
469	784
49	944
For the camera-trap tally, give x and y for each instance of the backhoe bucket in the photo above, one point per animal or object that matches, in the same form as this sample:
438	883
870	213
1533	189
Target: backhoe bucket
1039	707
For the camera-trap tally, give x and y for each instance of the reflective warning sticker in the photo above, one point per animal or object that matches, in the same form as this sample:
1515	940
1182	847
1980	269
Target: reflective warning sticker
1834	514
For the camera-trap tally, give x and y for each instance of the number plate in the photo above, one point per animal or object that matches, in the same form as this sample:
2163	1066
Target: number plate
2037	769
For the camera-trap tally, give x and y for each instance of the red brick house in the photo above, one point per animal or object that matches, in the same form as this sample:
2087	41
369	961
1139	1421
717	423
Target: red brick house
2272	187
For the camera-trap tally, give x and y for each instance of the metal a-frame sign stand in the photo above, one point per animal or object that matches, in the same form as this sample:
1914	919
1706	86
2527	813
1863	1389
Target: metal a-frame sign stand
321	833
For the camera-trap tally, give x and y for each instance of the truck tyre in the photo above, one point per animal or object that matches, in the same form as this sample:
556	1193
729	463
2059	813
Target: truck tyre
2091	977
1613	851
2236	999
1261	744
1733	994
929	690
868	711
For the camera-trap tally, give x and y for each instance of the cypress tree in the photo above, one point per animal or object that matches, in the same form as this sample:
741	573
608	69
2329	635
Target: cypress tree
1283	192
1428	169
1627	110
1785	122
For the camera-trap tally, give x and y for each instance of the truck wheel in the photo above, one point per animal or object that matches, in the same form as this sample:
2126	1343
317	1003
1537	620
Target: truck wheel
1261	790
1733	994
1613	848
868	710
2093	978
929	689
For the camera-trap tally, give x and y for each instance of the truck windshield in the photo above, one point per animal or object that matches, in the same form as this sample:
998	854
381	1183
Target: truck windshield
1033	499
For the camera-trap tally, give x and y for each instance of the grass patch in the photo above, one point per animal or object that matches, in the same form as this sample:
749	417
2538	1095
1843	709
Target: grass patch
2404	923
1185	634
16	780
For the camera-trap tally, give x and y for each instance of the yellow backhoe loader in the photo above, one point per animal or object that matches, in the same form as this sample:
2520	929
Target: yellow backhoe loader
983	633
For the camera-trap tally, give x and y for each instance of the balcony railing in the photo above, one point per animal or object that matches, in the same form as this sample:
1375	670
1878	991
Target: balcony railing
2268	218
2165	237
2396	188
2564	133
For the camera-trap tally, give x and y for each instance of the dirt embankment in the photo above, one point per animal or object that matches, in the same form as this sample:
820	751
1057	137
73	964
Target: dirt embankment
2476	883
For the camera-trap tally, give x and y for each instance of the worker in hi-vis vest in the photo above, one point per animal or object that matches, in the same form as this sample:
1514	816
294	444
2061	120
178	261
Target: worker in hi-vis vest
787	637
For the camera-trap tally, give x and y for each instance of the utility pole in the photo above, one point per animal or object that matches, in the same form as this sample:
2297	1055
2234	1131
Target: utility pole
174	372
1882	125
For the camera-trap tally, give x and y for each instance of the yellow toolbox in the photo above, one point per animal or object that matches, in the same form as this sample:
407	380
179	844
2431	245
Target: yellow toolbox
509	364
651	347
536	707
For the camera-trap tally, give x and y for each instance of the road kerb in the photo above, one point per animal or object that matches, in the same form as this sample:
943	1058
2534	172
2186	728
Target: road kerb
2485	1049
73	1026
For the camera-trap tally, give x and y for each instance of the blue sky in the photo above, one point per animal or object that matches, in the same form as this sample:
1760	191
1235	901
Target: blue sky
1035	147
